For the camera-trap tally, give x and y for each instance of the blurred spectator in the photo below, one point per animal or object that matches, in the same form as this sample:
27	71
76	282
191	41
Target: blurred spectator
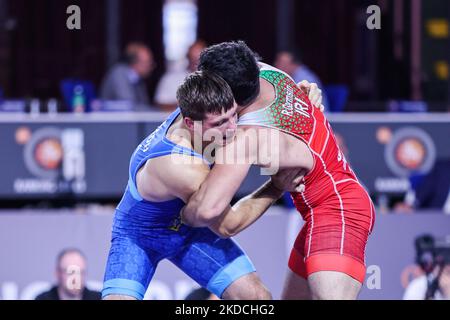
201	294
126	80
71	276
166	92
432	191
435	283
289	61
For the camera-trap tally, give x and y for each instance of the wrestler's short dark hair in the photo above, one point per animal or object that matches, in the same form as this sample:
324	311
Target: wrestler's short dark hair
237	64
204	92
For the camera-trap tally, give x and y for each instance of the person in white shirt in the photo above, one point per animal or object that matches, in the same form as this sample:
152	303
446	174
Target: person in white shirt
166	91
435	282
417	289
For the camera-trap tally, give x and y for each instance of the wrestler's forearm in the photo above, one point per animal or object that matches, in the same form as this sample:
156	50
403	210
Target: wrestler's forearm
213	197
246	211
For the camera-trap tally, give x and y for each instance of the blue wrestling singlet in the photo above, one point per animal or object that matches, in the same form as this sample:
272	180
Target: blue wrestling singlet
146	232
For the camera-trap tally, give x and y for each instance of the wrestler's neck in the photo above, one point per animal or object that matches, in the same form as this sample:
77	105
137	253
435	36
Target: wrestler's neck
265	98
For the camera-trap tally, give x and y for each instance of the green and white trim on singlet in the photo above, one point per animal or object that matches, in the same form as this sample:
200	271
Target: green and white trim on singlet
288	112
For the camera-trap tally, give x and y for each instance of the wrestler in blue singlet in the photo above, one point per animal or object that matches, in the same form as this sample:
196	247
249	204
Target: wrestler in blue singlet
144	233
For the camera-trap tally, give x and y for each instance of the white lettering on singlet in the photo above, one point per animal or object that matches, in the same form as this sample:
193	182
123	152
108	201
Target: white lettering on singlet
294	104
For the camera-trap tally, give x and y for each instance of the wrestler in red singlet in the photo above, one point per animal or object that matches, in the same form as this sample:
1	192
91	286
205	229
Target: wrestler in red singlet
338	212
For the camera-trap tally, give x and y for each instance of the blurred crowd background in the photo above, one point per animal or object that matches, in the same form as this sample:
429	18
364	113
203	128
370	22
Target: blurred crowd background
75	103
361	69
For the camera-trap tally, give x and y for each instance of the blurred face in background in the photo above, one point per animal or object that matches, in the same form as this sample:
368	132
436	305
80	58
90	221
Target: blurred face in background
194	54
285	62
70	273
145	63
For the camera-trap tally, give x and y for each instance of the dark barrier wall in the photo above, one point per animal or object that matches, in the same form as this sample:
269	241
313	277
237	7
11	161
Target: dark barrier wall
87	156
32	241
386	150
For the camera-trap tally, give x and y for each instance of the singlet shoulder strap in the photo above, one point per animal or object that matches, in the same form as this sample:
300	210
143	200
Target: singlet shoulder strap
288	112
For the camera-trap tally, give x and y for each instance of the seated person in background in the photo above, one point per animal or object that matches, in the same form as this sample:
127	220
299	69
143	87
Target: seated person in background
126	80
166	91
432	192
289	61
71	277
201	294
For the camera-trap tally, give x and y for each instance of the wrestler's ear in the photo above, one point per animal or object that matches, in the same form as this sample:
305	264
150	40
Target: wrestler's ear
189	123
